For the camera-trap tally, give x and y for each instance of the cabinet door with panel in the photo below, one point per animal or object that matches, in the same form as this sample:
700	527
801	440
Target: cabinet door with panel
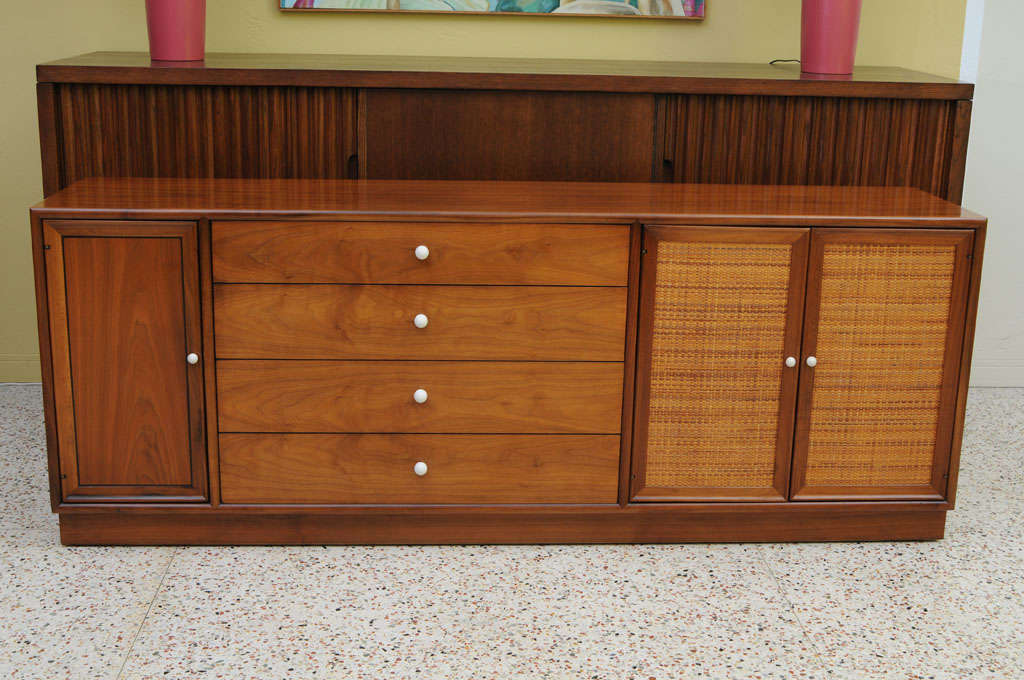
719	337
882	347
123	303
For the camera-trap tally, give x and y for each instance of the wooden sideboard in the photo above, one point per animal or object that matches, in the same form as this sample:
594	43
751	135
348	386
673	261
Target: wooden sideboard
378	117
329	361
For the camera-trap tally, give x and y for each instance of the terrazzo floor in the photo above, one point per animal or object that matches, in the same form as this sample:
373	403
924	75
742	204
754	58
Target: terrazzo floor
946	609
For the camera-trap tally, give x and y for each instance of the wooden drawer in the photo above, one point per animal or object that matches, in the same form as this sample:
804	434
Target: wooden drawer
324	468
384	252
377	322
378	396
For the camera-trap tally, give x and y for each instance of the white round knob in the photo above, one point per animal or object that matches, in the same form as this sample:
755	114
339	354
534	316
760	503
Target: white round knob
420	321
420	396
790	362
422	252
812	361
192	358
420	468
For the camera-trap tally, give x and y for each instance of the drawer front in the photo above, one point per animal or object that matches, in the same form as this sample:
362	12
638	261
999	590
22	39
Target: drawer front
379	396
379	322
324	468
384	252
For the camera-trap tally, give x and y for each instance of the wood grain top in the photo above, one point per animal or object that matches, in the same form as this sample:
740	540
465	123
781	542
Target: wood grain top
169	198
329	70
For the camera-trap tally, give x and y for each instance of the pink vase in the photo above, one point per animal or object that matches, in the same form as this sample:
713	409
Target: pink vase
828	39
177	29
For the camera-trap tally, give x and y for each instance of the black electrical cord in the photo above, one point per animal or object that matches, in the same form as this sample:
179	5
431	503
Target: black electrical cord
783	61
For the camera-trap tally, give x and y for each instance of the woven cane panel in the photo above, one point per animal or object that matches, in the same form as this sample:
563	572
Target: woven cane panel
881	345
716	364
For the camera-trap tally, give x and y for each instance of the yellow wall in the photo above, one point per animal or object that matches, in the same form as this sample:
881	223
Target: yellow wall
920	35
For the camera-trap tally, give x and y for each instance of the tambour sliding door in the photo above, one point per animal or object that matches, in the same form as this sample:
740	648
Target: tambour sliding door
719	337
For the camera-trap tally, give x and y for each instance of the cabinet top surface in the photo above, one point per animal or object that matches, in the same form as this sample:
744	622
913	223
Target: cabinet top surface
328	70
167	198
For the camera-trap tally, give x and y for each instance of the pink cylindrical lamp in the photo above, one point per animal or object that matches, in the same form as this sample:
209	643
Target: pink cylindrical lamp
828	39
177	29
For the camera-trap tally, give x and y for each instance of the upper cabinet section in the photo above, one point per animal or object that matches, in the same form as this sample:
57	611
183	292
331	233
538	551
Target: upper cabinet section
377	117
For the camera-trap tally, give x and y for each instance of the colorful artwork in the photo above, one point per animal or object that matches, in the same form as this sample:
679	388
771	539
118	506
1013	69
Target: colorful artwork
684	9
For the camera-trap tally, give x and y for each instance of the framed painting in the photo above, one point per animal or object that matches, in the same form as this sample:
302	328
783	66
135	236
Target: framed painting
676	9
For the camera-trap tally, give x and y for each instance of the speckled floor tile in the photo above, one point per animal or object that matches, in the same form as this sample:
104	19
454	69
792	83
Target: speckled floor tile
64	612
944	609
24	491
993	448
73	612
472	612
901	610
947	609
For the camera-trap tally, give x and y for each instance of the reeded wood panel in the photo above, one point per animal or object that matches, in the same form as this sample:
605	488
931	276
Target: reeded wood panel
453	134
461	468
124	314
720	312
321	132
190	131
885	321
726	139
377	396
383	252
299	321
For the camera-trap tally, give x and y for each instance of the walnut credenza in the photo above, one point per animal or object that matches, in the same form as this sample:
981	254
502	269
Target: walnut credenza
286	361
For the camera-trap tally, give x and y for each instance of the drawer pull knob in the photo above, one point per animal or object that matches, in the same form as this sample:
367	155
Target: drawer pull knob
790	362
420	468
812	361
420	321
422	252
192	358
420	396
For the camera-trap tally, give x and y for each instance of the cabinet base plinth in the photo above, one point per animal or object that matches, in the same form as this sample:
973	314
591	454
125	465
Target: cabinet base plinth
436	526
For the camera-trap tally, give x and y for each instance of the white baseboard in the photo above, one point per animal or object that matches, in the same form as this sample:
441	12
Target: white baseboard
1001	374
19	368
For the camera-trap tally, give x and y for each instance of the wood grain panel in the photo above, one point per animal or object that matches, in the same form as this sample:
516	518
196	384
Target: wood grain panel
378	469
150	131
720	139
361	252
124	313
452	134
720	312
885	321
49	144
491	73
638	523
377	396
47	344
299	321
522	202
